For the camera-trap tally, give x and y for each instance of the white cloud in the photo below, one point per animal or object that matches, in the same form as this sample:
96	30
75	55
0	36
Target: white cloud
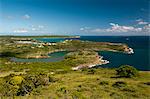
114	28
119	28
31	29
146	28
26	16
98	30
20	30
141	22
81	29
85	28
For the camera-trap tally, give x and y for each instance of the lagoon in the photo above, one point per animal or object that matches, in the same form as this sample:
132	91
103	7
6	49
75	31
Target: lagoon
54	57
140	59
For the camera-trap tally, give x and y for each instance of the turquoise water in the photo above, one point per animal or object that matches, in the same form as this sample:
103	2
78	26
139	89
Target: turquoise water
51	39
54	57
54	40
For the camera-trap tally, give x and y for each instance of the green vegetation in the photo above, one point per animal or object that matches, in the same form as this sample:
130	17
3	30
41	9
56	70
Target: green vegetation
31	48
57	80
82	57
127	71
21	85
79	84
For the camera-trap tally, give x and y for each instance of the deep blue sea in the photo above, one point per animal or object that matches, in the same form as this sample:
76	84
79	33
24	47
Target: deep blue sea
140	59
141	45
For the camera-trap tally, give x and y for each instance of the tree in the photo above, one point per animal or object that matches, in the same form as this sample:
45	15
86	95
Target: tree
127	71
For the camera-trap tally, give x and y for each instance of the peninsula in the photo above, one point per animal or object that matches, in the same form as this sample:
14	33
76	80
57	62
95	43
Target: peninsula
73	76
83	52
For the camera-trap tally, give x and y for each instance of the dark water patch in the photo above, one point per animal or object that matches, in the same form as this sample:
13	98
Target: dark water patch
54	57
55	40
140	59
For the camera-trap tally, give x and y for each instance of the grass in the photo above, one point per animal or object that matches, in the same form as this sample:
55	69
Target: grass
88	86
82	85
13	49
101	83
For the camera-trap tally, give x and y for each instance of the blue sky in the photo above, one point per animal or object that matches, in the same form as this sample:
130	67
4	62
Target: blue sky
74	17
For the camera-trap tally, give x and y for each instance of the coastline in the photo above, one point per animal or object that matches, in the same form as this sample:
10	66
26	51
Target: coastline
98	61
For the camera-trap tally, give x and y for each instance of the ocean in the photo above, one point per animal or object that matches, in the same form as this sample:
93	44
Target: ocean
141	45
140	59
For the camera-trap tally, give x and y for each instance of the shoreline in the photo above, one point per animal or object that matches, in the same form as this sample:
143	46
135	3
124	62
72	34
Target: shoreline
99	61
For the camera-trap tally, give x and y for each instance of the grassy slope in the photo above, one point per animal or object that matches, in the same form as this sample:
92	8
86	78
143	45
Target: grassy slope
82	85
79	84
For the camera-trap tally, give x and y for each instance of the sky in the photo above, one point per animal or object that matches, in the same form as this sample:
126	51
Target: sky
74	17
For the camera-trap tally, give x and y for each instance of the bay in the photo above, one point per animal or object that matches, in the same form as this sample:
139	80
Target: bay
140	59
54	57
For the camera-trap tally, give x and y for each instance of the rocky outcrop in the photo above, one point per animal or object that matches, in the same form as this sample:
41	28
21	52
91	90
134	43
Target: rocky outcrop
128	50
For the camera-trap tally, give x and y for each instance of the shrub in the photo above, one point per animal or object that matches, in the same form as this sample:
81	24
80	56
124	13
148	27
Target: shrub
62	89
84	69
33	81
22	85
11	84
9	90
91	71
129	89
16	80
104	83
7	54
127	71
119	84
147	83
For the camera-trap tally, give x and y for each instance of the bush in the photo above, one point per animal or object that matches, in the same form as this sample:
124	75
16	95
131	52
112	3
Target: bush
33	81
11	84
147	83
127	71
9	90
17	85
91	71
7	54
119	84
104	83
129	89
62	89
16	80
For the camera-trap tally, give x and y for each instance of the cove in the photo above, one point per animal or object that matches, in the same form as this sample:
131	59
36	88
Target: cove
54	57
